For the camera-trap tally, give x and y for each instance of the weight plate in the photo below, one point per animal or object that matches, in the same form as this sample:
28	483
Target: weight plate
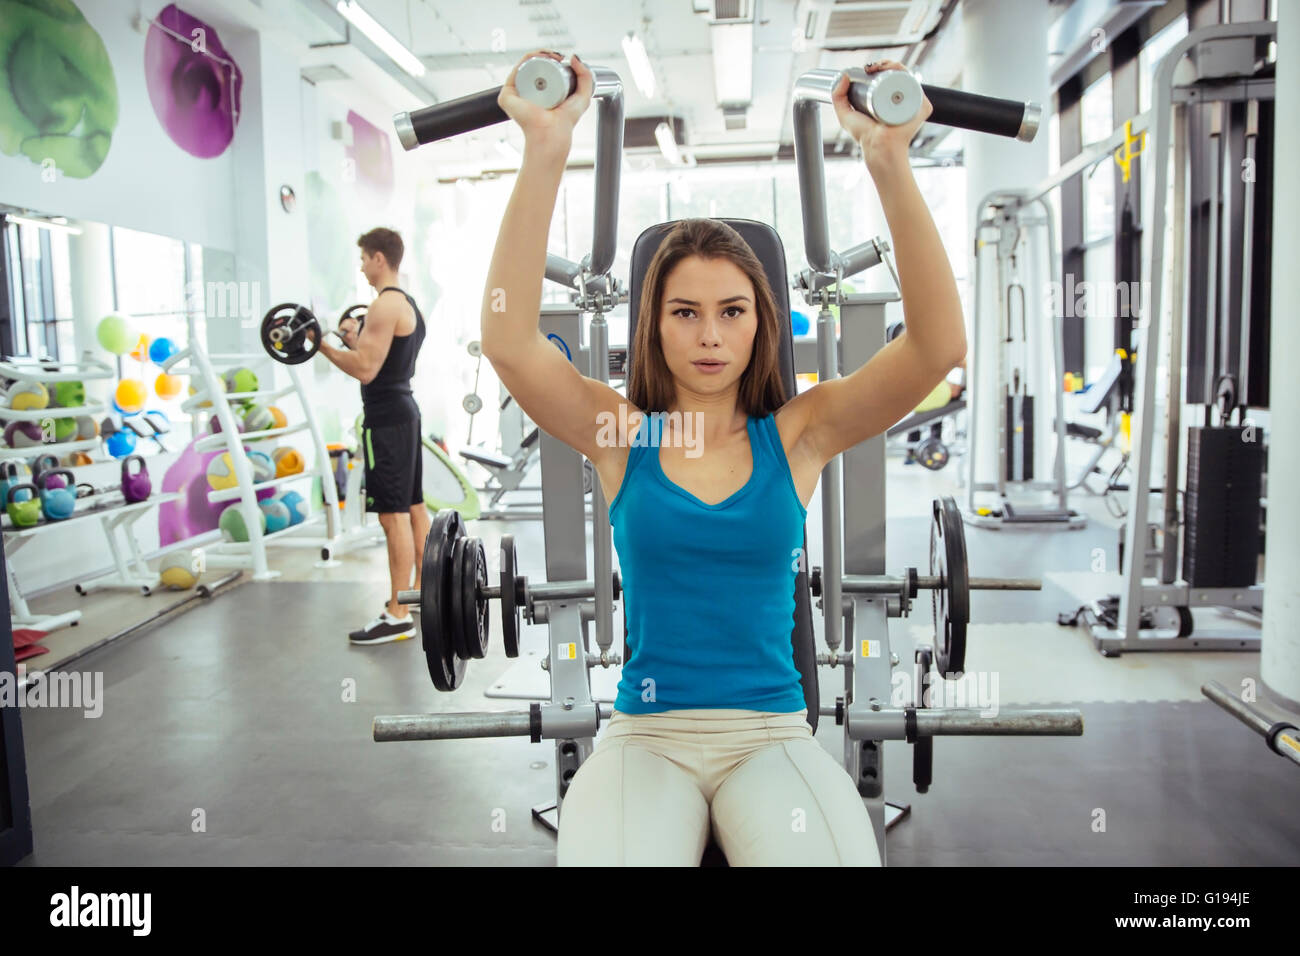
922	747
932	453
459	639
509	608
473	606
445	667
284	333
475	349
950	599
472	403
357	313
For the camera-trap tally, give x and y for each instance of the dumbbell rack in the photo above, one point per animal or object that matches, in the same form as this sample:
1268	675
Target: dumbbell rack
204	371
51	373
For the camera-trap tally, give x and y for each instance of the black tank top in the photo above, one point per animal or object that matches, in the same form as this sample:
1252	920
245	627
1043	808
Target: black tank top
388	399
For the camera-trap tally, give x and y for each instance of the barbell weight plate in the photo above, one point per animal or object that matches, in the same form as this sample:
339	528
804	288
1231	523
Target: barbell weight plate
357	313
950	600
472	403
509	608
475	349
459	639
445	666
473	605
932	453
284	333
922	747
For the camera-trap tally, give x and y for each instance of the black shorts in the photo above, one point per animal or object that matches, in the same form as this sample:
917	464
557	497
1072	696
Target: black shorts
394	477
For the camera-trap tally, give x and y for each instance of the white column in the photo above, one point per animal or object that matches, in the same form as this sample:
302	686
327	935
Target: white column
1005	55
1279	659
90	267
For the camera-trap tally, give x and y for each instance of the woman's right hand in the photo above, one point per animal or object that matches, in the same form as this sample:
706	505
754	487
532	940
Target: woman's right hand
543	127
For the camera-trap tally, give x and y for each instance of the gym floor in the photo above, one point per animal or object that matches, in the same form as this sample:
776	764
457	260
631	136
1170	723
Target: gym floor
240	732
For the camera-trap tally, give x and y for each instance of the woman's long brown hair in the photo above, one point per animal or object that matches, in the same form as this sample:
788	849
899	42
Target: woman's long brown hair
650	385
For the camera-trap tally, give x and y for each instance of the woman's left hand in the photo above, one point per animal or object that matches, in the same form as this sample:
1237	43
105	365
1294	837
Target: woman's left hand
877	141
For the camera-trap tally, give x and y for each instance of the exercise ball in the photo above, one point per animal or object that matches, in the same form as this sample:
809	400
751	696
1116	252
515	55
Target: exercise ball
27	396
161	349
221	472
799	323
258	418
288	461
275	514
241	380
232	523
296	505
278	418
176	572
129	396
65	429
141	350
121	443
114	333
86	427
70	394
22	434
263	466
167	386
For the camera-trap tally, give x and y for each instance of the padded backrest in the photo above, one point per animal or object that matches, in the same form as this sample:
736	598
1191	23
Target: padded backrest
766	244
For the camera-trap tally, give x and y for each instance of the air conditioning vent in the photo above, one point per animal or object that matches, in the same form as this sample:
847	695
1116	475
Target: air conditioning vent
851	24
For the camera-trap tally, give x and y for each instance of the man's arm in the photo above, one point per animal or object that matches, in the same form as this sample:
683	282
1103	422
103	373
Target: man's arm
372	345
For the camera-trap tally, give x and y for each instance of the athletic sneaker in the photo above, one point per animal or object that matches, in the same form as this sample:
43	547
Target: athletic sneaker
383	629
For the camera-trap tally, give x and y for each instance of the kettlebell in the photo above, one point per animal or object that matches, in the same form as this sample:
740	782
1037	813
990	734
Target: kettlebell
11	473
25	513
58	502
135	487
42	464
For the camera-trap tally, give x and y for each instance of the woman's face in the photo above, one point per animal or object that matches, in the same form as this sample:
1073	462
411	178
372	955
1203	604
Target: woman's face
707	324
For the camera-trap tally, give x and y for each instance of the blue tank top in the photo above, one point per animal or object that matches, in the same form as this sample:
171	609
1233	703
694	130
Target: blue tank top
709	589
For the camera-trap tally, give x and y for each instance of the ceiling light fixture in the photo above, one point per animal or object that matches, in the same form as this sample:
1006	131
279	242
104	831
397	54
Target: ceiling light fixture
376	34
643	73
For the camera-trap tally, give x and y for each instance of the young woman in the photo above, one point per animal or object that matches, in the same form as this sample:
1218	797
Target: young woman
709	470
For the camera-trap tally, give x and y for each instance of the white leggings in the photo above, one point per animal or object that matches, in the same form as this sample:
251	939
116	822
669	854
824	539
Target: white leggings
656	783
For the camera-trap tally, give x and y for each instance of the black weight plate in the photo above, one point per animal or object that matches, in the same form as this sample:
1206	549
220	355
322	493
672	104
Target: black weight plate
509	608
459	639
473	605
950	600
435	599
922	747
357	313
295	320
932	453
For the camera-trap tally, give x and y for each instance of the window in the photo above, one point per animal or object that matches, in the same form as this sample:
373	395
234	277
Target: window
1099	182
1150	56
40	293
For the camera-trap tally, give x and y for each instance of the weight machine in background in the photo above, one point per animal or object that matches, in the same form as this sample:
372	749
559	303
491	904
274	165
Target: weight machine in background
1221	91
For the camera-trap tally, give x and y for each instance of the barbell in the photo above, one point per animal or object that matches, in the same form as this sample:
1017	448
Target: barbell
286	331
454	592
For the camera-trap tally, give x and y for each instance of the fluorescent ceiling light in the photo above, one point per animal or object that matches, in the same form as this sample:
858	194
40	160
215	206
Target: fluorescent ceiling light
733	63
643	73
509	152
45	224
668	145
380	37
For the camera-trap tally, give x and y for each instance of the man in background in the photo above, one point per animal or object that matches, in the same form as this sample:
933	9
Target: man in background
382	358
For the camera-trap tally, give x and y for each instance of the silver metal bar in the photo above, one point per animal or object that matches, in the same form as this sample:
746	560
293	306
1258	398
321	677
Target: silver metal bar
1247	249
608	94
889	584
450	726
811	90
967	722
602	547
1174	397
1283	737
832	489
